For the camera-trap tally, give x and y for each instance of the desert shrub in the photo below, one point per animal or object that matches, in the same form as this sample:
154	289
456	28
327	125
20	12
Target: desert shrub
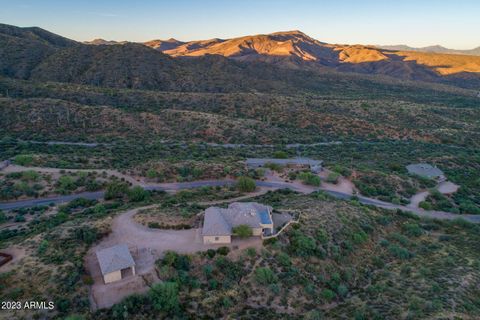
115	190
246	184
242	231
86	234
99	209
23	159
223	250
342	290
19	218
137	194
309	179
301	244
333	177
280	154
164	297
30	175
265	276
344	171
328	295
412	229
3	217
274	166
180	262
66	183
284	259
251	252
321	235
151	173
359	237
211	253
399	252
42	247
232	270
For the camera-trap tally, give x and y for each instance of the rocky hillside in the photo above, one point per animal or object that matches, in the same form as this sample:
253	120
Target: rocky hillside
296	49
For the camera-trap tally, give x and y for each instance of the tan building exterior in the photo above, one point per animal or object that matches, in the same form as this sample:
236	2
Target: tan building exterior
217	239
112	276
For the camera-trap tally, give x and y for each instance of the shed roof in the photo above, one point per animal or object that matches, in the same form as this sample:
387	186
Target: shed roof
114	258
292	161
425	170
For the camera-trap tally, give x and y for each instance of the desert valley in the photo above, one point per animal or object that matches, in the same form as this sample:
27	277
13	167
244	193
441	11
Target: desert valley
271	176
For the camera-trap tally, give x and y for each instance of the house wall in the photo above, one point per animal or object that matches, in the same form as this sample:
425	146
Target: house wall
257	231
112	276
216	239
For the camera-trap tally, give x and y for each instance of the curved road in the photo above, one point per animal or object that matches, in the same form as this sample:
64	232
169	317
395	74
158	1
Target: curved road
268	184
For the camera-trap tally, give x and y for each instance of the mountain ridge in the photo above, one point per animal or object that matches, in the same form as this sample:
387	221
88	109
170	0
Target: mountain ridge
434	49
295	48
36	54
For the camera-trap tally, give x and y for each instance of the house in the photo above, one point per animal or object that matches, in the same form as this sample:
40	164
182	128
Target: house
426	170
314	165
115	263
219	222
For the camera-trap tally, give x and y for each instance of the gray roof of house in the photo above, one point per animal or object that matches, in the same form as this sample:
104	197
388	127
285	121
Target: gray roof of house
425	170
292	161
219	221
214	224
114	258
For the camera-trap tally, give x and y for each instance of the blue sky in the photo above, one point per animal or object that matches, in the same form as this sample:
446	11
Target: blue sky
453	23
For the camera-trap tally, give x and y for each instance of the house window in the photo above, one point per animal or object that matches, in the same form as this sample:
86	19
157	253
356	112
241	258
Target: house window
217	238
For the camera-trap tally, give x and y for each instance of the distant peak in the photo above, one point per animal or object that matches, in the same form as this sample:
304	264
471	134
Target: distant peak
291	32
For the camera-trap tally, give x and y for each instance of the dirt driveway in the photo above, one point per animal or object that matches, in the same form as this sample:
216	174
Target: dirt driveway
146	246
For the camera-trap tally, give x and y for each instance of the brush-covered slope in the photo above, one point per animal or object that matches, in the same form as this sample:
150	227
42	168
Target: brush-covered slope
21	49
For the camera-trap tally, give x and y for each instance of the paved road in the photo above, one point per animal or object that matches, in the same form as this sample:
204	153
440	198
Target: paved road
47	201
99	195
269	184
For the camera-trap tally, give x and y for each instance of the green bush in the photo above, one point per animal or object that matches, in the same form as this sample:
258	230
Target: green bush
284	259
30	175
399	252
116	190
211	253
66	183
328	295
164	297
137	194
246	184
301	244
274	166
3	217
359	237
412	229
310	179
242	231
265	276
23	159
333	177
223	250
280	155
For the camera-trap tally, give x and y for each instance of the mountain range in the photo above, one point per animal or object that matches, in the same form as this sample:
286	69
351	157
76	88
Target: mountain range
434	49
215	64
